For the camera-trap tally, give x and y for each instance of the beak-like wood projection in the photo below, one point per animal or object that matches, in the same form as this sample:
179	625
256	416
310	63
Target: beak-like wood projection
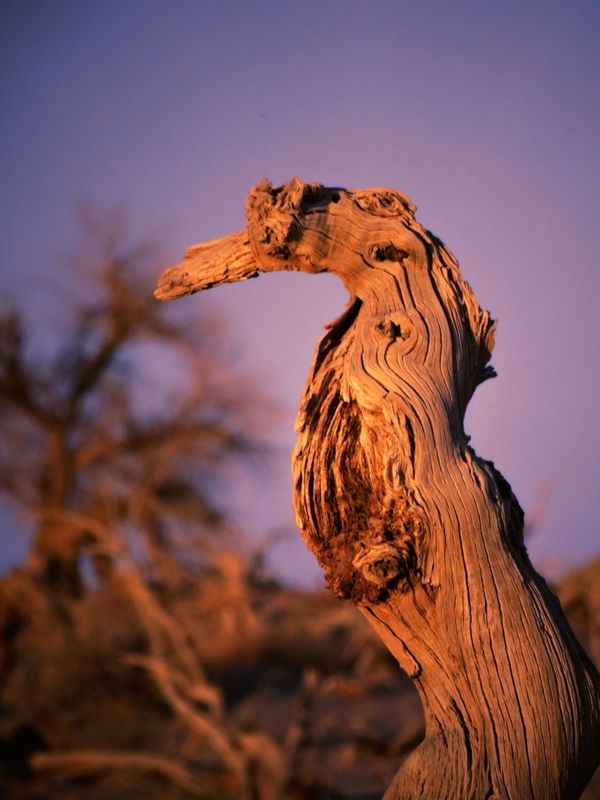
407	522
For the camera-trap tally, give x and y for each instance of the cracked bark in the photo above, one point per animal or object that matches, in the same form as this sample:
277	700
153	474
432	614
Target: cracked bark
406	521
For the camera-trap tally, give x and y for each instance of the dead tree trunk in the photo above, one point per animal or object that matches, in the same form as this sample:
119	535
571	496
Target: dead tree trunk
407	522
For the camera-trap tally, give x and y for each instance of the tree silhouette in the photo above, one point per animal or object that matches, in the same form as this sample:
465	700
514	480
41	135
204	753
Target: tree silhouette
94	441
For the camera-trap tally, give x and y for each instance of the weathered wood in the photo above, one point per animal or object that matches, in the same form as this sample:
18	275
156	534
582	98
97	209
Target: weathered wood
406	521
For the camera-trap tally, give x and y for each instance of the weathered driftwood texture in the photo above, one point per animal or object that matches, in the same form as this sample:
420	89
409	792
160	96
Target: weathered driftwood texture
406	521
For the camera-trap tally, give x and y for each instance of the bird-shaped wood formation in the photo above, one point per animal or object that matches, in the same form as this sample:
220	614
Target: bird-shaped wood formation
407	522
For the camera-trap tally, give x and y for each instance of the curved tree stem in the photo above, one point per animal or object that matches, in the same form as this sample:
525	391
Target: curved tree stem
406	521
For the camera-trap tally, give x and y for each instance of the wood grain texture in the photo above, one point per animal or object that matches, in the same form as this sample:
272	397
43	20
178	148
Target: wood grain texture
406	521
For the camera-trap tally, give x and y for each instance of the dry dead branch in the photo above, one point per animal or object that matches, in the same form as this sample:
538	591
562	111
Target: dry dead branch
71	764
407	522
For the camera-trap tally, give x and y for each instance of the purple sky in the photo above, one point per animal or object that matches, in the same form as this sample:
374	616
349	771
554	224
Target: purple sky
486	114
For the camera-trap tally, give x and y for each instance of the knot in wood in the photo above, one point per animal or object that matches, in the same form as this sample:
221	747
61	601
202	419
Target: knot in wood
387	251
381	564
384	203
394	326
275	216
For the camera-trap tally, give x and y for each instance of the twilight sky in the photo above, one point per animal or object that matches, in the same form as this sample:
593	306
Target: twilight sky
486	114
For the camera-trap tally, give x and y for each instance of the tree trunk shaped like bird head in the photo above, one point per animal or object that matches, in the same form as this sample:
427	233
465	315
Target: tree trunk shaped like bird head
406	521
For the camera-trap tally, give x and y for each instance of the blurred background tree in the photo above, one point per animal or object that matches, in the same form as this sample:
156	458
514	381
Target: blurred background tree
127	422
118	437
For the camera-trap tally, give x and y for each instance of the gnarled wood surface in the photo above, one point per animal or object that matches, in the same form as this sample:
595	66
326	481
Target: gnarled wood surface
406	521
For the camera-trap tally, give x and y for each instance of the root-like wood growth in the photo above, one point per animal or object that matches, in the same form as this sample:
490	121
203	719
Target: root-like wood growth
407	522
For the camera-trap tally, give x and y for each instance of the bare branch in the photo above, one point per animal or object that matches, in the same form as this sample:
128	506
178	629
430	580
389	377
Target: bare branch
406	521
64	765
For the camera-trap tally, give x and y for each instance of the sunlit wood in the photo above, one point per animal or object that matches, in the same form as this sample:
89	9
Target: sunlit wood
407	522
